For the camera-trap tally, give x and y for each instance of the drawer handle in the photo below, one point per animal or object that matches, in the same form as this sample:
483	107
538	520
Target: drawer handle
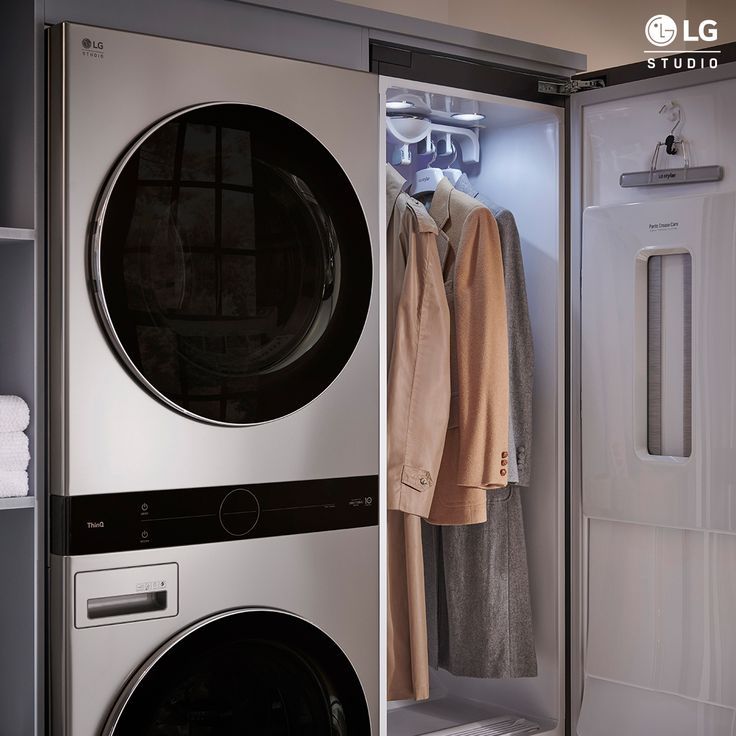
125	605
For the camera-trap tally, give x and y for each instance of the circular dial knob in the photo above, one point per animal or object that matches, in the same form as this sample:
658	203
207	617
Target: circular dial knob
239	512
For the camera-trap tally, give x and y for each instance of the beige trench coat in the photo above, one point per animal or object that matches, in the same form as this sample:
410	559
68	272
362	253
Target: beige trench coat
418	409
476	447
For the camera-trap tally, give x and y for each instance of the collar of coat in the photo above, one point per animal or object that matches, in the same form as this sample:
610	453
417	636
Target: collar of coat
450	209
439	212
439	209
395	185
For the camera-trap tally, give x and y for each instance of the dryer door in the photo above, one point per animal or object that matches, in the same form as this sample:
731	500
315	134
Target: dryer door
245	671
231	264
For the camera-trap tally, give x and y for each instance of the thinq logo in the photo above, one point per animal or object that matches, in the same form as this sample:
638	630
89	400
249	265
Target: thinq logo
662	31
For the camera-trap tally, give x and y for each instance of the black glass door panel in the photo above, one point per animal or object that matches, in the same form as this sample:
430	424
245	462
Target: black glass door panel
232	264
246	672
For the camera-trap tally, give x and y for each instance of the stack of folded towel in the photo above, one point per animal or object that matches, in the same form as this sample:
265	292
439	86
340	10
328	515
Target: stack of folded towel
14	454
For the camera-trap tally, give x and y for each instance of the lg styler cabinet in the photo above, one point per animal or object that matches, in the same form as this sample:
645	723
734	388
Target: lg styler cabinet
630	517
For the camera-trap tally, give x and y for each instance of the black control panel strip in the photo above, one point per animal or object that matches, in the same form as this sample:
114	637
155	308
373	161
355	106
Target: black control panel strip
117	522
404	62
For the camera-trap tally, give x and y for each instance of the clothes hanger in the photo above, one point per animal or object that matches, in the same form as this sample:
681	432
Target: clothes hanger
452	174
426	180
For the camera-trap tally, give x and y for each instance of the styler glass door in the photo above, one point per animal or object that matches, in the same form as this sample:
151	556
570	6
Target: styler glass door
231	264
262	672
653	521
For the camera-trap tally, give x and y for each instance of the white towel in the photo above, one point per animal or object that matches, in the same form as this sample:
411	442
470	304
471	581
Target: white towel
13	483
14	454
14	414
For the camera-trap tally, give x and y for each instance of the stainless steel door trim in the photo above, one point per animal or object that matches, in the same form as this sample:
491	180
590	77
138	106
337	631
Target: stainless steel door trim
147	666
96	266
56	278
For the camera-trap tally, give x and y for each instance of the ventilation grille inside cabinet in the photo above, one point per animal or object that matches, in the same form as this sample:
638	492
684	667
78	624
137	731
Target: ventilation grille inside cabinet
503	726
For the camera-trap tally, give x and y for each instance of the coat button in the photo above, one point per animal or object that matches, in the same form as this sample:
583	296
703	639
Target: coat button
504	462
504	454
503	471
423	481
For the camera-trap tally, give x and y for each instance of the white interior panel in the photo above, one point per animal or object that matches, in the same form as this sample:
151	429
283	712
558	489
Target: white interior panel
613	709
662	607
621	480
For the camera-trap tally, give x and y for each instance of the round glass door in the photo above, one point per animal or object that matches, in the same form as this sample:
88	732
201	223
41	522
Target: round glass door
231	264
259	672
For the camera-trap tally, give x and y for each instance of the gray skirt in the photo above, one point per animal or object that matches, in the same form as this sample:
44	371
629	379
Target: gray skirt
479	618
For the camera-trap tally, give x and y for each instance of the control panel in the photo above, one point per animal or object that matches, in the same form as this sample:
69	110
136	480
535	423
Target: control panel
117	522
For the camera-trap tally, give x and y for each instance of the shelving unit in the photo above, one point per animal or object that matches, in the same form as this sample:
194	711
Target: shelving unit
16	235
22	360
22	535
22	502
21	518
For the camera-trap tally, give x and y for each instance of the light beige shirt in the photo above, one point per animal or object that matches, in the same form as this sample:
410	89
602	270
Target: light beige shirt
475	455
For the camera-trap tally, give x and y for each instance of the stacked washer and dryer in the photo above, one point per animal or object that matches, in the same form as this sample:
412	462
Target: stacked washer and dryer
213	390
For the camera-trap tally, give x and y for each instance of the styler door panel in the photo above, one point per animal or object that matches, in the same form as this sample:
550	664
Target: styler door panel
658	276
653	456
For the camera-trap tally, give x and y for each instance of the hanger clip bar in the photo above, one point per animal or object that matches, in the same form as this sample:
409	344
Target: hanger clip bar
684	175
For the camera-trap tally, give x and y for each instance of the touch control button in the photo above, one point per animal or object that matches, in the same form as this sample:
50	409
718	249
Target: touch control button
239	512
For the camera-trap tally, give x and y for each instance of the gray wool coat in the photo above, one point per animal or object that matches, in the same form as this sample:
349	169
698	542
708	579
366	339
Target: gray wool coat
479	616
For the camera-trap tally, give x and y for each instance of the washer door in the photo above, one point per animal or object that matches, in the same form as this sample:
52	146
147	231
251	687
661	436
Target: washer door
231	264
250	671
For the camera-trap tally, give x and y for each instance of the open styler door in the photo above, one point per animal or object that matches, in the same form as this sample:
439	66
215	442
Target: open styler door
653	407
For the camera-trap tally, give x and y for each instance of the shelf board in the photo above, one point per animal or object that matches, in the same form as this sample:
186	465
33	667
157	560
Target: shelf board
21	502
16	235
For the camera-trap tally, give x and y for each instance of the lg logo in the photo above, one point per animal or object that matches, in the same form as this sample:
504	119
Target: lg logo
92	49
88	44
661	30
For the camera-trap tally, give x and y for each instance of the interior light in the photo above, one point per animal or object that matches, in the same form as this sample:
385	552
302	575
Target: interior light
468	117
398	104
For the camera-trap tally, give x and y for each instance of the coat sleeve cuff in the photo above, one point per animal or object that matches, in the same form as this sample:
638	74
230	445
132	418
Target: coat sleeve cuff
415	492
493	474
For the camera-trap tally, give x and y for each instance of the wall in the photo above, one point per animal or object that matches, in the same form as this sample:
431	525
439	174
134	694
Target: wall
724	11
610	33
436	10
